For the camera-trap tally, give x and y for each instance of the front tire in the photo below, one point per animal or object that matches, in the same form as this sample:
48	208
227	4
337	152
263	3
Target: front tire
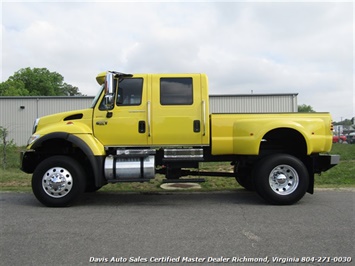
281	179
58	181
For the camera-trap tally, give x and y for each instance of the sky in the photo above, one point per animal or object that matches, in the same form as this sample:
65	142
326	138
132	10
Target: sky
243	46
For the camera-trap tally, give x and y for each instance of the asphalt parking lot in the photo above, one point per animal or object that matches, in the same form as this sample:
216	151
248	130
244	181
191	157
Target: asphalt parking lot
223	228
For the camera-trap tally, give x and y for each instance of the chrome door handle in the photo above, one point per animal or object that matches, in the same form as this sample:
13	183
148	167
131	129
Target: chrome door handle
101	123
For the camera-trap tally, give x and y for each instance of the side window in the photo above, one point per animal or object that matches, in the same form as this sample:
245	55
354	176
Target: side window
176	91
130	91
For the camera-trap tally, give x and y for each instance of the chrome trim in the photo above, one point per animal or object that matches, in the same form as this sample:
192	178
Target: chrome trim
129	167
35	124
334	159
136	152
183	153
32	139
148	117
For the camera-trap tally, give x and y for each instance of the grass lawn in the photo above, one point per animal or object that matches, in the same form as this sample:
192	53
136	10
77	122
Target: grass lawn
342	175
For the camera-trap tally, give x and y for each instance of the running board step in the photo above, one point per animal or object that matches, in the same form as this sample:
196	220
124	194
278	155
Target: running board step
190	180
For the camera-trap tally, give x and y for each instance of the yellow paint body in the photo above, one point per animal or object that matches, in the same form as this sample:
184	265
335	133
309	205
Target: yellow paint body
173	125
81	128
167	125
243	133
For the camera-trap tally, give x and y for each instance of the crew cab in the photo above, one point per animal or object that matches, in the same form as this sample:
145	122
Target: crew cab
140	125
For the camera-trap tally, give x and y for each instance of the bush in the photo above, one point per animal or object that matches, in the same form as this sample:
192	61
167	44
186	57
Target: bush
10	157
6	148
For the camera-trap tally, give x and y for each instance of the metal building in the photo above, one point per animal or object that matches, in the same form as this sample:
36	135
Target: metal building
17	114
254	103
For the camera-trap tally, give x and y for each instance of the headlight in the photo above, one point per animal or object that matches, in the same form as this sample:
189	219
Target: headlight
33	138
35	124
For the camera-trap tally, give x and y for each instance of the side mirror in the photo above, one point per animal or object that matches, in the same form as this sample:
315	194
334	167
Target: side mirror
109	100
109	84
109	91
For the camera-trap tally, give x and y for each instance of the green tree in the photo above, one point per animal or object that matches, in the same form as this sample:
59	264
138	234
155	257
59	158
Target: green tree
13	88
37	82
305	109
345	122
70	90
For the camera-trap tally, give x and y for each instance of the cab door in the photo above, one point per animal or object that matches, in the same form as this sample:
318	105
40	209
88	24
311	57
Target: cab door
125	124
176	110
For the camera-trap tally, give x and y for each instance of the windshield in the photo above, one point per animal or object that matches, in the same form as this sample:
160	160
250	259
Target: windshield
97	96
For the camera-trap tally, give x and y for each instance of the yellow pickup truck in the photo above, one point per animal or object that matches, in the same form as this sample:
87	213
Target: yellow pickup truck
143	124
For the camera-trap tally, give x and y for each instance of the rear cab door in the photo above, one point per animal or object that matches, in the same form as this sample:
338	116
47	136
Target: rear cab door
178	109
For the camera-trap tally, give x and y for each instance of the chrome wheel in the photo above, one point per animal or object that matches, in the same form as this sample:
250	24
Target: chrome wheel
283	179
57	182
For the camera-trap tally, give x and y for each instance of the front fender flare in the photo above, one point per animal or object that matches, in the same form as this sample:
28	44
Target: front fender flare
96	159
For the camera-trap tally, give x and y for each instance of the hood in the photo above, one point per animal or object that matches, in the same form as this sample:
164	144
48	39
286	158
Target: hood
78	121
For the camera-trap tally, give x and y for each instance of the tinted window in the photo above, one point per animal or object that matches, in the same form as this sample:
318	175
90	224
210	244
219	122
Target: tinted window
176	91
130	91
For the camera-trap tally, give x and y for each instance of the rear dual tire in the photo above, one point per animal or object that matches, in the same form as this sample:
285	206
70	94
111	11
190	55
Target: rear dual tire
244	177
281	179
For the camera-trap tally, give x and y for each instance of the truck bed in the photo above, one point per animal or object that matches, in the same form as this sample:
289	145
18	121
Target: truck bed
243	133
